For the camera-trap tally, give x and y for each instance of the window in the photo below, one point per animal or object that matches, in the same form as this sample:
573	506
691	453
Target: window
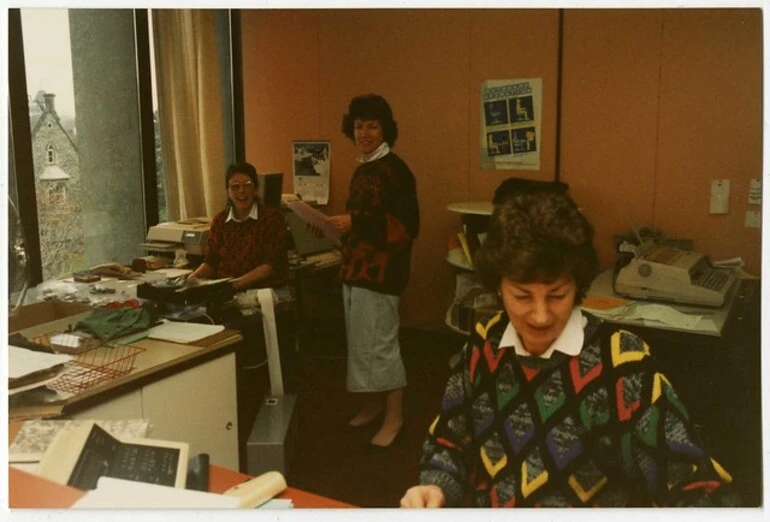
80	89
84	136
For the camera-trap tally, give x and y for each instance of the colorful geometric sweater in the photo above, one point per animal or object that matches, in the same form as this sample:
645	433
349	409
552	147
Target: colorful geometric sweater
602	428
235	248
385	220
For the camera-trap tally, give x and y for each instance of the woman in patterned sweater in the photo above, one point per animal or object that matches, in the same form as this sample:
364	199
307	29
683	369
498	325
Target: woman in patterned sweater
549	406
381	221
247	240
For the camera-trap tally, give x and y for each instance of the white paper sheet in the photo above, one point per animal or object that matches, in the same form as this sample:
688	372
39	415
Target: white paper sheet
184	333
315	218
173	272
266	297
656	313
44	382
111	493
663	314
22	362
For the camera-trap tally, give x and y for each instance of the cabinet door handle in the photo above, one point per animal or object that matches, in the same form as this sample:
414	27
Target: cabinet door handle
229	426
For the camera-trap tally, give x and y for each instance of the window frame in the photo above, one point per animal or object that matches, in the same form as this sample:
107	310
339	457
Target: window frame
21	140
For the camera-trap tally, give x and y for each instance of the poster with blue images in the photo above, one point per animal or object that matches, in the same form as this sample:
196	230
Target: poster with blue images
510	124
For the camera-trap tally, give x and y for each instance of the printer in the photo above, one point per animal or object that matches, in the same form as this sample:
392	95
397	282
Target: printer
190	234
663	273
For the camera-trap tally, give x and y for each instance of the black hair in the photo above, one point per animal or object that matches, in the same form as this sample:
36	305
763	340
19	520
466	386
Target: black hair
240	168
371	107
520	185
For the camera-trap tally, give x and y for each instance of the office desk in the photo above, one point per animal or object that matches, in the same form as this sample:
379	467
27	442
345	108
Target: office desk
713	322
26	490
318	294
718	378
221	479
188	392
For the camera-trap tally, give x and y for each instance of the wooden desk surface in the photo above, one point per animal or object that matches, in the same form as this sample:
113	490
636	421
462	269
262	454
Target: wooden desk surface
158	359
26	490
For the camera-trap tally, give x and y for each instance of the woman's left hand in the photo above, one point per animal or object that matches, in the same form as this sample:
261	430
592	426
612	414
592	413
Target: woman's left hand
340	223
237	283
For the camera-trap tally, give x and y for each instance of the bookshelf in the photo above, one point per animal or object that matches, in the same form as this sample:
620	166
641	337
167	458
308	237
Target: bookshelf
469	296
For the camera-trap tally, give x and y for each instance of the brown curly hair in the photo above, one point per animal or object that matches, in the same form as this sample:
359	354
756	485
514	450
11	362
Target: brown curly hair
538	237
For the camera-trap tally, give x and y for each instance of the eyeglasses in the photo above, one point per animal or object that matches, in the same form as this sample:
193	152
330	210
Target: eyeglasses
246	184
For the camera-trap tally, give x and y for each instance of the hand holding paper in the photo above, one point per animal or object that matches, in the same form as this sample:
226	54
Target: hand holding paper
315	218
340	223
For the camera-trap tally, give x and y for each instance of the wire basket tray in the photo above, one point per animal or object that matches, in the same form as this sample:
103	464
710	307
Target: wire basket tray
96	366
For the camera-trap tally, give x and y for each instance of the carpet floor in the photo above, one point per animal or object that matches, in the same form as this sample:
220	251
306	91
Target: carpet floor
335	462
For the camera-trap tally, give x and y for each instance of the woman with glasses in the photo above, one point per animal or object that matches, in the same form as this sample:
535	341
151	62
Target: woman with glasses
247	240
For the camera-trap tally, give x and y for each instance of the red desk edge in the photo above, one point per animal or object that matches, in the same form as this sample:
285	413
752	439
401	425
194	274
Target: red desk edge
26	490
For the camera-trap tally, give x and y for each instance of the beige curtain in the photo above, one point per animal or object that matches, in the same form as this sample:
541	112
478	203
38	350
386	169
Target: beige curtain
190	106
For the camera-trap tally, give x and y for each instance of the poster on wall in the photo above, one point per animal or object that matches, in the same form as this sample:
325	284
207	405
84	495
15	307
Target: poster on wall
510	124
312	162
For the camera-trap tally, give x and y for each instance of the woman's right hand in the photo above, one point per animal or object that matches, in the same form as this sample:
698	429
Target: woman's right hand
340	223
429	496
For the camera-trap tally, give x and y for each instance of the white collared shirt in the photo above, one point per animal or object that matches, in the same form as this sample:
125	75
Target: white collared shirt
375	154
570	341
254	214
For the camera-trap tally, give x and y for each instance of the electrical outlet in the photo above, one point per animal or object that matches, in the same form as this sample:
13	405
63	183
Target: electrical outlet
720	196
753	219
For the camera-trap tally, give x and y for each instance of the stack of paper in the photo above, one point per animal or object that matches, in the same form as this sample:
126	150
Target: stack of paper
184	333
112	493
31	368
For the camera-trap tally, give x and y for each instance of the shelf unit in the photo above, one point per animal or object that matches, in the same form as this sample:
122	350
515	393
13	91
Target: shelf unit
474	216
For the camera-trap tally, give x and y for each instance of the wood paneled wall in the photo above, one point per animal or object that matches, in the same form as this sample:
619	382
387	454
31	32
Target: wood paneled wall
655	104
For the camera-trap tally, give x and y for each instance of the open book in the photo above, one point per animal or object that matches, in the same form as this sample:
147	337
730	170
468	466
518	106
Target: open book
79	456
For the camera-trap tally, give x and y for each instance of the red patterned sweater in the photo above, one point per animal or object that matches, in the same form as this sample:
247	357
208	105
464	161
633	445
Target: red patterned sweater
237	247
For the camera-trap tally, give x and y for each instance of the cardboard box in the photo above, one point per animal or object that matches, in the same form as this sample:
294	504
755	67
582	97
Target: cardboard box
44	312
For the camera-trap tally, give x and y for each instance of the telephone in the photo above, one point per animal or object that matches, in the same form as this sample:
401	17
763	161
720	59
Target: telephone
663	273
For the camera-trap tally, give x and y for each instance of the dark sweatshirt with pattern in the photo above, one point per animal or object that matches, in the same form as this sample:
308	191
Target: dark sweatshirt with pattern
385	220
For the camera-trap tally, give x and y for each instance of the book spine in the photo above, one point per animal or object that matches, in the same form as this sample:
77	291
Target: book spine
466	249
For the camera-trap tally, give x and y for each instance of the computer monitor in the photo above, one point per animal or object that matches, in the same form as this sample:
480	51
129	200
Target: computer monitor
271	188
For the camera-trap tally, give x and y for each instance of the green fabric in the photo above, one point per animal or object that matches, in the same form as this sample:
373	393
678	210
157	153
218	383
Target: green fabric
108	323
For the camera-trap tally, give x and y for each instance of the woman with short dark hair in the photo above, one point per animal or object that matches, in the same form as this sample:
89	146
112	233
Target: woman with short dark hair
247	240
549	406
380	223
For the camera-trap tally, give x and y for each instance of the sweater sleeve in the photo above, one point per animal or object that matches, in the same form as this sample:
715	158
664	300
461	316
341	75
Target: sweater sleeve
214	245
446	455
660	445
275	240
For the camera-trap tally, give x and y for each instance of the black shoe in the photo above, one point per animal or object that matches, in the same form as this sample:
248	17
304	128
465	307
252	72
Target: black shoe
377	418
376	448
